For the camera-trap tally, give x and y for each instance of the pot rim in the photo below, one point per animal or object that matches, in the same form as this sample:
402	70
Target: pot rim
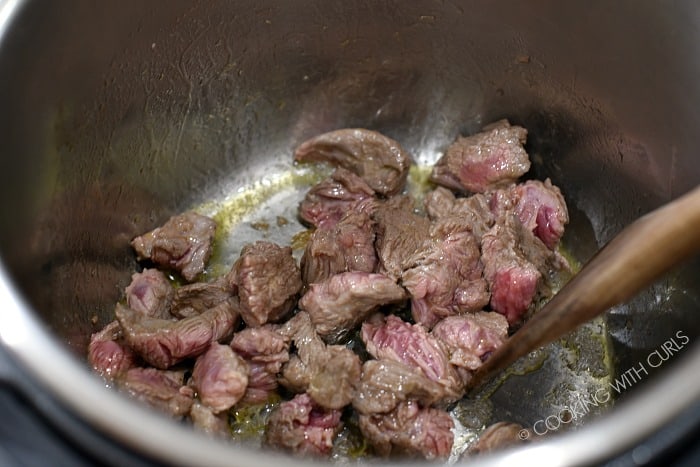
55	369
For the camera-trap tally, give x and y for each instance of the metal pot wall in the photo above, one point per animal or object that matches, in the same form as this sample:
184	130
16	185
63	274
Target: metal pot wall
114	115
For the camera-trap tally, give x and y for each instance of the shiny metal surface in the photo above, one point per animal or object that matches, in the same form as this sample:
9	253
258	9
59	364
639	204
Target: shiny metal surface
114	115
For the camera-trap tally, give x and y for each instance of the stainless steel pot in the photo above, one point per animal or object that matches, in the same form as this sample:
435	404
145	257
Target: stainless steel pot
114	115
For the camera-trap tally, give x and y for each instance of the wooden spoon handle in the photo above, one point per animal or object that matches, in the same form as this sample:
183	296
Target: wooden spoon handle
632	260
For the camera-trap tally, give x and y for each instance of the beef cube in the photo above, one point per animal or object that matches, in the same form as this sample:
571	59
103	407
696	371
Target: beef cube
311	353
497	436
391	338
348	246
329	374
517	267
447	277
378	160
205	420
333	386
400	234
474	211
183	244
439	203
162	390
265	350
470	338
262	384
163	343
150	293
540	207
220	377
268	280
409	431
328	201
107	354
337	305
386	383
198	297
301	427
488	160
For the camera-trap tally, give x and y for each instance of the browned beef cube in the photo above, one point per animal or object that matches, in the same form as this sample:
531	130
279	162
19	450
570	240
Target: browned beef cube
409	431
108	354
488	160
497	436
517	267
474	211
540	207
328	373
163	390
328	201
471	337
447	276
220	377
198	297
205	420
348	246
380	161
183	244
339	304
302	427
400	234
391	338
386	383
268	280
163	343
266	350
150	293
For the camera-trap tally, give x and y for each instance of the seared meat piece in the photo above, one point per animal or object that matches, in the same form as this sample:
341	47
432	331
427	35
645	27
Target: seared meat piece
163	390
183	244
333	385
329	374
409	431
337	305
439	203
302	427
348	246
380	161
400	234
198	297
517	267
262	383
150	293
488	160
540	207
391	338
311	353
385	383
329	200
220	377
163	343
268	280
447	276
204	419
107	354
474	211
470	338
497	436
266	350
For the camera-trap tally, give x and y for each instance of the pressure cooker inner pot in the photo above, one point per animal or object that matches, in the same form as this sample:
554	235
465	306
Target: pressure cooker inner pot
116	116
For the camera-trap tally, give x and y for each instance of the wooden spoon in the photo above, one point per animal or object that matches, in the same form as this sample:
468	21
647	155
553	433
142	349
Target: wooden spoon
632	260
